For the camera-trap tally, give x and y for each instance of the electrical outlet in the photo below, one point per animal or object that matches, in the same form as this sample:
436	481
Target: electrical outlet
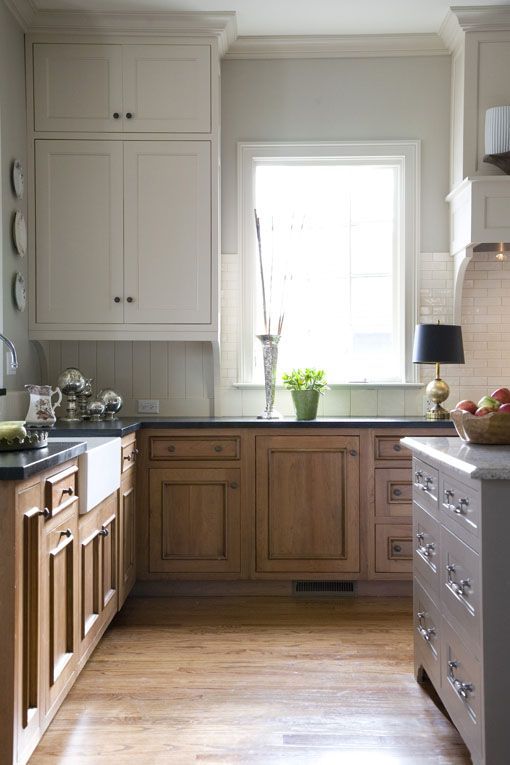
148	406
9	369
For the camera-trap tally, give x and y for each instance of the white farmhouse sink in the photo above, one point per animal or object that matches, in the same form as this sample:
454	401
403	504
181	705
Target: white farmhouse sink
99	469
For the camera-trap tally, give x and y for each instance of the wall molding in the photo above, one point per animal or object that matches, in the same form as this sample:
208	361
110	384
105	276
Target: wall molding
221	25
336	46
476	18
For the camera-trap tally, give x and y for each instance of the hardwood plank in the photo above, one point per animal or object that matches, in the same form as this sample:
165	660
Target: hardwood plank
254	681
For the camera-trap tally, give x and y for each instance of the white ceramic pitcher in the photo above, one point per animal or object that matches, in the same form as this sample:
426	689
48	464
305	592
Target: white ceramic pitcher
41	412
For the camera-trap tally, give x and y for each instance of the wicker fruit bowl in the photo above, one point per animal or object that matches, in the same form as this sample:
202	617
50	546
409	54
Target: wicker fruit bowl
493	428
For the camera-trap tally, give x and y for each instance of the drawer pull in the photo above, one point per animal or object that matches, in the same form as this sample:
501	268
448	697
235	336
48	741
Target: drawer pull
171	448
397	492
45	513
425	632
460	508
457	587
418	476
425	550
463	689
234	485
132	456
69	491
397	548
448	494
353	452
67	533
218	448
104	532
397	448
427	484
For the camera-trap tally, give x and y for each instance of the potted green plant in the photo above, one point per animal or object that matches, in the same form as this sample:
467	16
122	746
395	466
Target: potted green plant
305	385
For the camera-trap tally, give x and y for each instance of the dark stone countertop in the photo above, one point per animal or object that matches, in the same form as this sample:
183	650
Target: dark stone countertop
125	425
15	466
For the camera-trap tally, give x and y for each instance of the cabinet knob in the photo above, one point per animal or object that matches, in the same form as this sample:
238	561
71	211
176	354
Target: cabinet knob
45	513
104	532
397	492
234	485
353	452
116	115
397	548
171	448
129	115
67	533
397	448
130	299
69	491
116	299
218	448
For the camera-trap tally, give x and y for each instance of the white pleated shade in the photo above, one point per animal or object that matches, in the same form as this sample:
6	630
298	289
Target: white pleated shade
497	130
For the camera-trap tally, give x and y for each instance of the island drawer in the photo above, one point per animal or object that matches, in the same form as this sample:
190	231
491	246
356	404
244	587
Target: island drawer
426	484
426	558
461	684
393	548
193	448
393	492
427	633
129	455
60	490
390	448
460	504
460	586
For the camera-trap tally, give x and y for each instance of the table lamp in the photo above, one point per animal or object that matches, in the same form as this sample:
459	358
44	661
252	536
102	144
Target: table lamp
438	344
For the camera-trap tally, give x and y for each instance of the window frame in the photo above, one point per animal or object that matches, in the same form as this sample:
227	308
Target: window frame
403	153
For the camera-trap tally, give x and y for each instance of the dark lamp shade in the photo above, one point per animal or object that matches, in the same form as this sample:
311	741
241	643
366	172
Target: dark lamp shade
438	343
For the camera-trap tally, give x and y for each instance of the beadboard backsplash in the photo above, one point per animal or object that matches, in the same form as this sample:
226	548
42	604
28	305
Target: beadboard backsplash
180	375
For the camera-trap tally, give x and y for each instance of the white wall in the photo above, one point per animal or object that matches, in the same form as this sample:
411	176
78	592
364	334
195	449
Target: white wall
278	100
13	145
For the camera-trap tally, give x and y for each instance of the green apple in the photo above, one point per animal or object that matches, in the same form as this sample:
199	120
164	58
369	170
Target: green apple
487	402
11	429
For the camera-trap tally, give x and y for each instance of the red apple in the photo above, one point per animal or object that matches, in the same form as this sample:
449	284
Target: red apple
483	410
502	395
467	406
505	408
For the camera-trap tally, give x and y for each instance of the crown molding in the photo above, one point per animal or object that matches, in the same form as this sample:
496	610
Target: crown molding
336	46
221	25
482	18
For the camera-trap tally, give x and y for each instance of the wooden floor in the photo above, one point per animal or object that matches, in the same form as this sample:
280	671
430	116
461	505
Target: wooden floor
253	681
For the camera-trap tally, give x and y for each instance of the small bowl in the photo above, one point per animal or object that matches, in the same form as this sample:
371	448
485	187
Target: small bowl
490	429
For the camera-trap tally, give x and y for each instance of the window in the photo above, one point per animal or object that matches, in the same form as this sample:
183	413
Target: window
338	245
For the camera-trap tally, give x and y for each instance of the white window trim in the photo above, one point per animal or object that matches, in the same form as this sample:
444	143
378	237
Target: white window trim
405	152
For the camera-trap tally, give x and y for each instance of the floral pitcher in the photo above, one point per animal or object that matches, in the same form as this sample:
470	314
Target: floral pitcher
41	410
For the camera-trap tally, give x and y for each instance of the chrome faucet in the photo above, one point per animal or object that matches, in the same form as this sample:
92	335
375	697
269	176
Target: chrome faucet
12	350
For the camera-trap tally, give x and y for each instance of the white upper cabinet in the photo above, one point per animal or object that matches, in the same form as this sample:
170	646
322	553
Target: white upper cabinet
79	232
122	88
78	87
167	232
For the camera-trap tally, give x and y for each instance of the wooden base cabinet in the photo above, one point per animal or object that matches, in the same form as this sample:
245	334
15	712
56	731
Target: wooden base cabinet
307	505
127	519
194	520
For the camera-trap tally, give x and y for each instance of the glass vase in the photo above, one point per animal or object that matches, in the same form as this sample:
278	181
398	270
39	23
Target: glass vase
270	358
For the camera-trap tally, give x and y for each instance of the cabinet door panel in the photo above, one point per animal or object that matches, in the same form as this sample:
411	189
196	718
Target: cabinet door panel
127	527
167	232
109	557
77	87
194	520
167	88
307	504
90	545
79	232
61	604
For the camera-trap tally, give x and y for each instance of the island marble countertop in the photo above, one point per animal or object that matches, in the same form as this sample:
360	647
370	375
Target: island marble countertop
125	425
475	461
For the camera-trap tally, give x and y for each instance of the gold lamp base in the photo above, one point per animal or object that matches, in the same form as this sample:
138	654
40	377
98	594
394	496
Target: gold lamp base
437	391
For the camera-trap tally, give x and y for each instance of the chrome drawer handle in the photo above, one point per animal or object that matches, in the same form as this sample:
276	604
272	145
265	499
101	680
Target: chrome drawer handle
425	632
427	484
460	508
463	689
418	476
448	495
457	587
425	550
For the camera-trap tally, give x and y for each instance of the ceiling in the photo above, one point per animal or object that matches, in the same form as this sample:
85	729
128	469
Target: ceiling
296	17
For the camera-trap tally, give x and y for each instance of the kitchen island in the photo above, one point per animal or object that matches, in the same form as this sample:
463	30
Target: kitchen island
461	527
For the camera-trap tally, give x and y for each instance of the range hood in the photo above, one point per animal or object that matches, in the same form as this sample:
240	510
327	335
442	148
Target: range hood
479	222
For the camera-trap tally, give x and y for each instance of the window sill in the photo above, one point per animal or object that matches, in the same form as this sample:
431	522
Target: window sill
339	386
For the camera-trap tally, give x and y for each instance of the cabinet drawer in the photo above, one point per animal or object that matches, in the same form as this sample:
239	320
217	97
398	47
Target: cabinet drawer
461	504
129	455
60	490
427	633
426	486
390	448
393	548
461	688
185	448
426	558
393	492
460	586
